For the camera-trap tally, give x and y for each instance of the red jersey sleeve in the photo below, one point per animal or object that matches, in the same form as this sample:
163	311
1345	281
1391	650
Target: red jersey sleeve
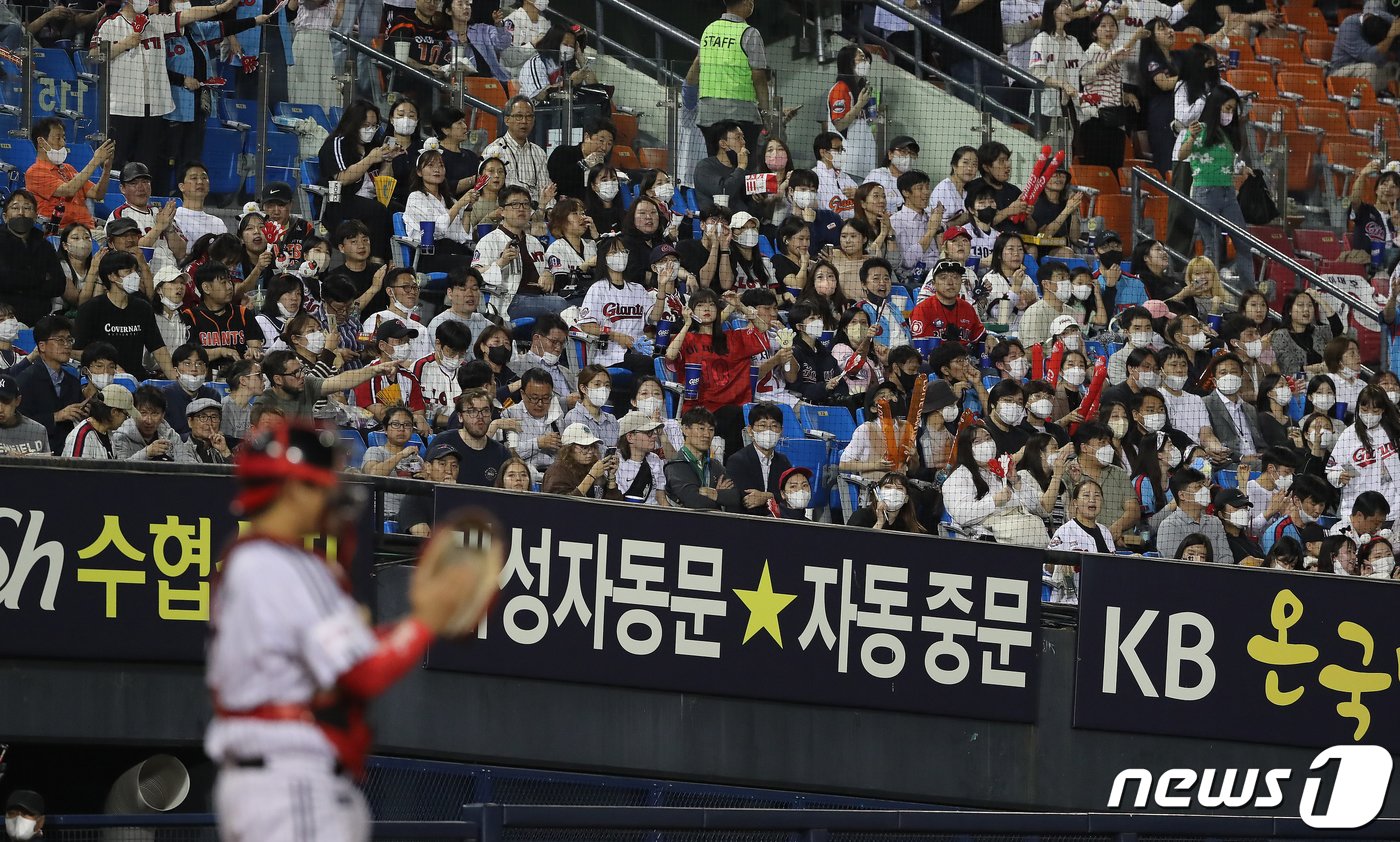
364	393
839	102
415	396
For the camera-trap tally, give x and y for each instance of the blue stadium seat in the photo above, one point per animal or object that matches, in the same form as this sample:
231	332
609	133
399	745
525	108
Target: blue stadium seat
354	448
665	375
379	438
298	111
765	248
219	386
159	384
54	64
836	420
17	152
792	428
222	150
809	454
241	111
25	340
335	114
282	154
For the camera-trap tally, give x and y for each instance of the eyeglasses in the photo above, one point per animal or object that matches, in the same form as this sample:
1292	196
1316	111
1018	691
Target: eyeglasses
412	286
538	399
516	205
207	416
529	116
477	413
299	372
400	425
65	341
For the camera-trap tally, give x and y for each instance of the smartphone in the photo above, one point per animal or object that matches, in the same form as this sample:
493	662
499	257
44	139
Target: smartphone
610	453
480	182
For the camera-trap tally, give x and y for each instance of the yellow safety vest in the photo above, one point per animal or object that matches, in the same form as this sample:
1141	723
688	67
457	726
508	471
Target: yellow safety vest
724	66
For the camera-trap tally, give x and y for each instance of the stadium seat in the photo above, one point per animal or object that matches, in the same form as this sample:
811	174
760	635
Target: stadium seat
792	428
1259	80
1318	51
1281	112
282	154
1099	178
1319	245
301	112
1281	48
809	454
624	158
1302	150
1351	90
1302	83
835	420
354	448
25	341
1154	208
223	148
1349	155
1117	212
243	112
310	171
1330	117
18	153
491	92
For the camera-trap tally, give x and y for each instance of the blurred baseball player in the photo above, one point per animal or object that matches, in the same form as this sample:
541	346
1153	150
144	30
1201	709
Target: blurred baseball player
292	661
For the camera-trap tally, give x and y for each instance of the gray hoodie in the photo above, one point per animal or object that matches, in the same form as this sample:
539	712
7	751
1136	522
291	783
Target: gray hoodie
128	442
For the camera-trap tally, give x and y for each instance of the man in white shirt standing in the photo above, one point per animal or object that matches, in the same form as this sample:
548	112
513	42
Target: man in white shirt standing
463	297
836	191
526	164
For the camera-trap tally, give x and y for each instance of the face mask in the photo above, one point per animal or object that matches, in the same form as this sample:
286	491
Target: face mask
140	6
650	406
862	69
803	199
79	248
903	163
1369	419
984	452
1154	422
798	499
1327	439
131	282
893	498
1064	292
776	161
1018	367
566	53
541	5
1254	348
987	216
1173	457
171	303
1348	373
606	190
401	352
101	381
367	134
1309	562
9	330
855	332
57	156
20	827
1073	376
1070	341
598	396
1011	414
748	238
1282	396
664	192
838	160
1227	117
1083	291
1228	384
766	439
190	382
814	329
1393	397
1148	379
286	312
1110	257
1196	342
315	342
181	6
1140	339
1119	427
549	358
1240	518
1042	408
405	125
1284	483
949	413
21	225
1104	454
617	261
1175	382
1202	496
1323	402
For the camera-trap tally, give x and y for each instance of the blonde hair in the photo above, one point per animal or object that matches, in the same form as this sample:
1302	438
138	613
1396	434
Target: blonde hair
1217	289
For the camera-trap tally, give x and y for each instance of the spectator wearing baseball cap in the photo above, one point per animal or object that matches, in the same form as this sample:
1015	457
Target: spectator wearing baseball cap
641	475
795	494
206	444
19	436
1234	509
30	275
24	814
954	243
440	467
1120	289
156	224
107	411
901	157
277	198
579	470
394	339
946	314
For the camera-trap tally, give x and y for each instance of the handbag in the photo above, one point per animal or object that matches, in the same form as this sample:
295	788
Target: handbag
1257	206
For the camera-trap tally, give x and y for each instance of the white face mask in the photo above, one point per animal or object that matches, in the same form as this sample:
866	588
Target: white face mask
57	156
131	282
1011	414
140	6
315	342
838	160
1173	457
1175	382
1228	384
20	827
1196	341
1073	376
1082	291
1253	348
1018	367
1227	117
814	329
902	162
401	352
893	498
287	312
1154	422
1370	420
101	381
367	133
1148	379
405	125
606	190
862	69
598	395
798	499
1326	439
1070	341
171	303
766	439
1348	373
566	53
1104	454
190	382
449	364
984	452
1119	427
803	199
1240	518
1202	496
1393	397
949	413
549	358
1284	482
1141	339
1323	402
1282	395
1064	291
1042	407
664	192
9	330
541	5
748	238
617	261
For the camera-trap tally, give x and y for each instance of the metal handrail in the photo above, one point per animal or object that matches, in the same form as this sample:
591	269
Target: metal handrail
458	92
660	26
658	65
1141	176
999	64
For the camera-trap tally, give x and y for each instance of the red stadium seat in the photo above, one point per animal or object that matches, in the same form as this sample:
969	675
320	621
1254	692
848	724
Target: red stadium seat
1327	245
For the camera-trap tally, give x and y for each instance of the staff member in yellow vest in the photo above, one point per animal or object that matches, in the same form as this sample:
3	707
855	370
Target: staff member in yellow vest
732	70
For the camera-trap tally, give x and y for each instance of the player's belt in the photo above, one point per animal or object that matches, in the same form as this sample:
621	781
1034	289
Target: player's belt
273	712
261	763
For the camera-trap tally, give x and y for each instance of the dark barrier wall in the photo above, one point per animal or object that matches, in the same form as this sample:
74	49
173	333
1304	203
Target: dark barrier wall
775	719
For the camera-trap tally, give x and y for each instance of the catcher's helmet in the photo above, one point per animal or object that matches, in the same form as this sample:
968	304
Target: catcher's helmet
291	450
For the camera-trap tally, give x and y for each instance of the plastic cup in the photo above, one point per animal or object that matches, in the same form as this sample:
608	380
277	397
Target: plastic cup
692	380
429	229
1214	320
1339	410
401	50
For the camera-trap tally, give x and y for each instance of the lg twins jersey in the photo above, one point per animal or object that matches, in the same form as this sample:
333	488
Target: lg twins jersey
620	309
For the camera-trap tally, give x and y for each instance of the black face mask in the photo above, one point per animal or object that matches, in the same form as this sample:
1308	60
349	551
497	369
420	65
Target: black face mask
987	215
732	157
1110	257
20	225
1213	75
499	354
906	380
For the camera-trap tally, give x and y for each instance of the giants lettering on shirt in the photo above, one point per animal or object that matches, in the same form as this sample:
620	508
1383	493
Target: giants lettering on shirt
221	338
1362	459
841	203
615	312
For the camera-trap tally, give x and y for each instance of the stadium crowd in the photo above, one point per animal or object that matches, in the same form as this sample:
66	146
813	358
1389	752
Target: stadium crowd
994	369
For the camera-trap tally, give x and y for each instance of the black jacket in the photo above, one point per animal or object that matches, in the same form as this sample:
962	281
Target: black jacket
746	473
30	276
815	366
683	486
39	401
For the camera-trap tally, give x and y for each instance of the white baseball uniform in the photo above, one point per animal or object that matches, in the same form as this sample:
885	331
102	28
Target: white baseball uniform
620	309
439	386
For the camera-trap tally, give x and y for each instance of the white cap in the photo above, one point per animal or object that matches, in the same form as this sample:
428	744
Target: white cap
1062	324
740	219
577	434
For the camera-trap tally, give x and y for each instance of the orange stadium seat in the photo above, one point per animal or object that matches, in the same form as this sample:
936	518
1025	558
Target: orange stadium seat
1344	88
1266	110
1304	82
1283	49
1155	208
1100	178
1117	212
1349	153
1302	160
1258	79
1318	50
1331	117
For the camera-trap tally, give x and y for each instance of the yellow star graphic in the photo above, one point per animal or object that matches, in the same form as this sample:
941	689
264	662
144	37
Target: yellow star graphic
764	606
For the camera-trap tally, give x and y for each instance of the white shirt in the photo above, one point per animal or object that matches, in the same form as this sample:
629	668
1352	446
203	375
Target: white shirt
145	220
525	32
425	207
501	283
952	197
422	345
1055	57
967	509
526	163
284	631
909	226
563	259
882	176
1187	413
439	387
1378	470
1073	537
1236	410
1015	12
831	187
1348	391
139	85
194	224
621	309
627	470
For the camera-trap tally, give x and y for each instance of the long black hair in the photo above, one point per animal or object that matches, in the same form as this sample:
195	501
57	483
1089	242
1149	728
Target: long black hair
1199	71
718	342
1215	133
1047	15
965	458
846	69
1150	50
1390	417
1031	461
353	119
1148	464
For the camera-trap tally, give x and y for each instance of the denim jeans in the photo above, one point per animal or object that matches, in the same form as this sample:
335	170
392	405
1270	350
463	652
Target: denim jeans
1224	202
